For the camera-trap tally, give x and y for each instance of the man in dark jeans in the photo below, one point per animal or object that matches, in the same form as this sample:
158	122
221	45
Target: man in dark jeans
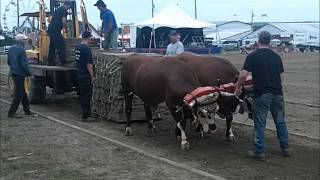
17	61
85	75
266	68
58	22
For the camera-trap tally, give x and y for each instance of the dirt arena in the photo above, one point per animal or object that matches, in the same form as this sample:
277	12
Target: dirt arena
56	145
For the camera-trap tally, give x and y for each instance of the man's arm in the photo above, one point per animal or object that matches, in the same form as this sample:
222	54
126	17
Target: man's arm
65	24
24	63
282	78
242	78
90	63
90	69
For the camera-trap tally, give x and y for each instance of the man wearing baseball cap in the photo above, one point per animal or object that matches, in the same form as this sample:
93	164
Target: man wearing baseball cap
17	61
109	28
85	75
175	47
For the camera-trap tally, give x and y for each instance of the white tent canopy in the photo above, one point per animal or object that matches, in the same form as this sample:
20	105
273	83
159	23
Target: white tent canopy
174	17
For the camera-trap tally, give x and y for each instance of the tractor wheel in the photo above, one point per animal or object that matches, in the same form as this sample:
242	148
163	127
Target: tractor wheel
36	90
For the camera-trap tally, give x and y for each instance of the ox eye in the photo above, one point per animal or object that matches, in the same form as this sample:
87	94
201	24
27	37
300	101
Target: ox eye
202	114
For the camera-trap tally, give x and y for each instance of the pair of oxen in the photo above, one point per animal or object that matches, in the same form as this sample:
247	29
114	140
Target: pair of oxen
186	83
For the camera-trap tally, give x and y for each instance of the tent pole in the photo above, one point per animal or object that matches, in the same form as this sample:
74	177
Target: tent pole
150	41
152	32
154	37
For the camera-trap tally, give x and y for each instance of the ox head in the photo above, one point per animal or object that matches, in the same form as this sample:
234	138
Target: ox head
201	116
221	103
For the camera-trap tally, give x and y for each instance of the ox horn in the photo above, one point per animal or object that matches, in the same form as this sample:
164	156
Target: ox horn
226	94
208	99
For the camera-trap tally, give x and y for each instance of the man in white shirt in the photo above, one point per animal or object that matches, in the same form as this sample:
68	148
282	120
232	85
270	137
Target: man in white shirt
175	47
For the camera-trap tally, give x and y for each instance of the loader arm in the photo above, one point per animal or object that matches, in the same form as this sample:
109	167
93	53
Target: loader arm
84	16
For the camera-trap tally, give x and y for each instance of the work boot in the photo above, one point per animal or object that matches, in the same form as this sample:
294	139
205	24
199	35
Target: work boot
286	153
29	113
14	116
88	119
253	155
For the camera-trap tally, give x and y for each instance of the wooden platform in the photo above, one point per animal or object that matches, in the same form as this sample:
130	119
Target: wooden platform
52	68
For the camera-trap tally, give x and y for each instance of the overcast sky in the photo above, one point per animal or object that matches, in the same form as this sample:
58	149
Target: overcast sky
132	11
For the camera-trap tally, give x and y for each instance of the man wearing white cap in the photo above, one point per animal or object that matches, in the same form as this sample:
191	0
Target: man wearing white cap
17	61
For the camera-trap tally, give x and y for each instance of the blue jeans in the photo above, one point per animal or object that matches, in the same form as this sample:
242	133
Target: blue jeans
261	106
111	41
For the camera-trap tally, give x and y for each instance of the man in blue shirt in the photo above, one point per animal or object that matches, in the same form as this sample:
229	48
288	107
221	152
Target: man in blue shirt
267	71
109	26
17	61
85	75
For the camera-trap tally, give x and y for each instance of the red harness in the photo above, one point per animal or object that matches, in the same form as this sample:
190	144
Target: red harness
202	91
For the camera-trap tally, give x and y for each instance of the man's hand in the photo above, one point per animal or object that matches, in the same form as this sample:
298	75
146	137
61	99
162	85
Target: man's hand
65	31
238	92
242	77
101	34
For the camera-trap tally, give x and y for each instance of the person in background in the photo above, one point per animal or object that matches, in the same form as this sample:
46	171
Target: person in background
17	61
267	71
109	26
85	75
57	23
175	47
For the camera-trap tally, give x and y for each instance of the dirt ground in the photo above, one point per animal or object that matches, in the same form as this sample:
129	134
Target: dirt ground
52	151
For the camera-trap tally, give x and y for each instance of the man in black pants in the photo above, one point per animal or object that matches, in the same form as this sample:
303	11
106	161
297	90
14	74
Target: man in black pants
17	61
85	75
58	22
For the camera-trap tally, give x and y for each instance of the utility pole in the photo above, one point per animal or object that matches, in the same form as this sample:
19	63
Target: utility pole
0	18
152	8
18	15
252	15
195	10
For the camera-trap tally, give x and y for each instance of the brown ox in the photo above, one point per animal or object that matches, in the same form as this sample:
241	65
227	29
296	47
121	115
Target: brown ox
156	80
214	71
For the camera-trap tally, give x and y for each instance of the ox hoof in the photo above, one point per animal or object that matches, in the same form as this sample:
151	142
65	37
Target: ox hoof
201	135
231	139
178	138
185	146
152	129
128	131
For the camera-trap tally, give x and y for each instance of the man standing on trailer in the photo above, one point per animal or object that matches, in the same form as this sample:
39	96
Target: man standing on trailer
85	75
58	22
17	61
109	26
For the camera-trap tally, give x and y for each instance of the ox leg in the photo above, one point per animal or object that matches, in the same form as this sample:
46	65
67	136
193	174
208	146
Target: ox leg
148	113
180	128
128	108
229	134
185	145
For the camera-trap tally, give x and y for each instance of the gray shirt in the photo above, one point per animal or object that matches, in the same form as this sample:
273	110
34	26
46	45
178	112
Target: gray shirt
175	49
